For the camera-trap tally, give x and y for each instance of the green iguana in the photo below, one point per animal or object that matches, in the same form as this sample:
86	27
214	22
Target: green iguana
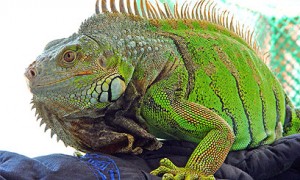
129	75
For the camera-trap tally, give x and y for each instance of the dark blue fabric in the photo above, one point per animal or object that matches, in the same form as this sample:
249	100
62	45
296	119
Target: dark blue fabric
55	166
105	167
280	160
58	166
272	161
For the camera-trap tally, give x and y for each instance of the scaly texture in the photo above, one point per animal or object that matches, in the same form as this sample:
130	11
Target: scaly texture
136	72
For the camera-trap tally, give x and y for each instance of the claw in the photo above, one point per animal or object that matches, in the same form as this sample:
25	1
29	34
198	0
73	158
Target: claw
168	163
166	166
168	176
171	172
160	170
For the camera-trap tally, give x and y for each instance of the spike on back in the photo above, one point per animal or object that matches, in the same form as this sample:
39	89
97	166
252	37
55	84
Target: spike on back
203	10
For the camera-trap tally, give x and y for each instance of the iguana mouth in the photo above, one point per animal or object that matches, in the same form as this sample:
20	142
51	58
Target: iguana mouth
106	89
32	84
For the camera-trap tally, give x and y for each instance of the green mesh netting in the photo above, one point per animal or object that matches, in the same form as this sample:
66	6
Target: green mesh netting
278	32
281	36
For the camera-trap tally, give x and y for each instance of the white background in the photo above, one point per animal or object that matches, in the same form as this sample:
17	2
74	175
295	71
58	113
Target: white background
25	28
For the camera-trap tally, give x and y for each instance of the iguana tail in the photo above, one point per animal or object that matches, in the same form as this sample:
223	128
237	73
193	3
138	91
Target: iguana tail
292	126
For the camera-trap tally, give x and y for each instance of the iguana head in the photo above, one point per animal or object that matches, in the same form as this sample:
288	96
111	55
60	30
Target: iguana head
73	82
76	74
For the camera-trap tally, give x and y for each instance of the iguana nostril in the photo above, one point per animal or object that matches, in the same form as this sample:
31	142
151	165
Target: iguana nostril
30	73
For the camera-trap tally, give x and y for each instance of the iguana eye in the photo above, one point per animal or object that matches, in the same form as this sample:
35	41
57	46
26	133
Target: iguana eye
69	56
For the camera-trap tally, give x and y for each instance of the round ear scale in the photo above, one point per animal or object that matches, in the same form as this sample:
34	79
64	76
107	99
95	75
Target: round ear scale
117	88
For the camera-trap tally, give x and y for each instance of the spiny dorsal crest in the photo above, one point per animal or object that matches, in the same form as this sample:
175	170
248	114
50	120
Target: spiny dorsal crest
203	10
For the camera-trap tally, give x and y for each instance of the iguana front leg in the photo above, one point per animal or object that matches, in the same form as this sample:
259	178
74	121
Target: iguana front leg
166	111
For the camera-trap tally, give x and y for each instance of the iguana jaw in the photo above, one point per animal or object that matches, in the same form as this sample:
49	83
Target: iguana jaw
85	82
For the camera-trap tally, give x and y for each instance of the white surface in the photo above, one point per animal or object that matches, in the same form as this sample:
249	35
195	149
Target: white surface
26	27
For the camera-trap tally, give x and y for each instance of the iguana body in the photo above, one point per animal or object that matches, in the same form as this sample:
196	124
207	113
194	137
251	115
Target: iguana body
123	78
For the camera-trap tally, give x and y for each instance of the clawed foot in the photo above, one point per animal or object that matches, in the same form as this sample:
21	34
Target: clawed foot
172	172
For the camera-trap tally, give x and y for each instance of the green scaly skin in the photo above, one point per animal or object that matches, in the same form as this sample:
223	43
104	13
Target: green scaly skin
122	81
